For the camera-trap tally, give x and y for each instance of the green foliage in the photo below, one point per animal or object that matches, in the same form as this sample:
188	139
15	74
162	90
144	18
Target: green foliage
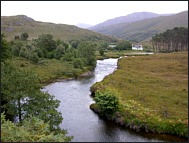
107	100
24	36
15	50
33	57
101	52
33	129
67	57
39	52
16	37
5	49
45	41
75	43
23	51
77	63
50	55
104	44
124	45
170	40
21	90
60	50
86	50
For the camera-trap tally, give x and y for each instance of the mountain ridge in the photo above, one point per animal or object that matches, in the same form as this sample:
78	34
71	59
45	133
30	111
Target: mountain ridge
136	16
142	30
15	25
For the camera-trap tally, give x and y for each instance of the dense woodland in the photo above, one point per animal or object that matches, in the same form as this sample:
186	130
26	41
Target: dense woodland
171	40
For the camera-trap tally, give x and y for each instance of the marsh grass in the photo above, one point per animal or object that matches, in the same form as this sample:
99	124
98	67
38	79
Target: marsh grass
49	69
159	85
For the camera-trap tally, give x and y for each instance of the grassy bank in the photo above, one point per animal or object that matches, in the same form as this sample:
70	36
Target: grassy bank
50	69
153	92
117	54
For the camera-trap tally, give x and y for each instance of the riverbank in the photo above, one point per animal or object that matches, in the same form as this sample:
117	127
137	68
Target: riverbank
153	93
117	54
51	70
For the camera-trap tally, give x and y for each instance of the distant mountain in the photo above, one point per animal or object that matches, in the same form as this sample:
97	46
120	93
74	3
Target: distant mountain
144	29
83	25
16	25
136	16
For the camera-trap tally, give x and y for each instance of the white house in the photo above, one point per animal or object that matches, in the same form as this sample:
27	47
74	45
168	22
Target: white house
137	47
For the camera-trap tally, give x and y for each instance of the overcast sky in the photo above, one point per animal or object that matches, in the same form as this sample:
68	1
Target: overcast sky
88	12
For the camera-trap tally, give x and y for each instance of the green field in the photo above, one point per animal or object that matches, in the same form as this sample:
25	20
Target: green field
153	90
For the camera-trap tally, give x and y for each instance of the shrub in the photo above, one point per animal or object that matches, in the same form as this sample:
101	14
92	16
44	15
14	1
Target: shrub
33	57
32	130
77	63
67	57
16	37
50	55
15	50
22	51
39	52
107	100
101	52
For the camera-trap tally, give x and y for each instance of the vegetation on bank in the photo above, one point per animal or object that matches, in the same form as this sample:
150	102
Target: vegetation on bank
153	92
21	97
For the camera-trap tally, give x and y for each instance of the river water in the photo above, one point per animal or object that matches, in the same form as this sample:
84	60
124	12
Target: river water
81	122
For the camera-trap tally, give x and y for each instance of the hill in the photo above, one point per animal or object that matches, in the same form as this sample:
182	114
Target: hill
15	25
143	30
136	16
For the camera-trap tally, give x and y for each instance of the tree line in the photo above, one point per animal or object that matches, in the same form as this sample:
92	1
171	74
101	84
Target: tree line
171	40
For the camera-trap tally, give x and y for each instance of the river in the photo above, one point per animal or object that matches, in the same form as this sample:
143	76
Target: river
81	122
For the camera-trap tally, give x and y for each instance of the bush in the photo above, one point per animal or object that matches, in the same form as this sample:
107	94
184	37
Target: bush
101	52
77	63
67	57
32	130
22	51
39	52
15	50
33	57
50	55
107	100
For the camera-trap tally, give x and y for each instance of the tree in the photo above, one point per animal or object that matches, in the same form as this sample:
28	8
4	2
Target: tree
46	42
75	43
104	44
24	36
33	57
86	50
101	52
21	91
5	49
124	45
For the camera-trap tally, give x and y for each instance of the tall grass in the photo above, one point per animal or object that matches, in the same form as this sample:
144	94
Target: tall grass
158	83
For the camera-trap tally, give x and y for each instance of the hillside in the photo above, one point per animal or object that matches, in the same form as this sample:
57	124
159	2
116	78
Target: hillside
143	30
136	16
15	25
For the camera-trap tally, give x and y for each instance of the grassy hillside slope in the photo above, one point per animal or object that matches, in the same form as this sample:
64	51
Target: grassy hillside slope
15	25
143	30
